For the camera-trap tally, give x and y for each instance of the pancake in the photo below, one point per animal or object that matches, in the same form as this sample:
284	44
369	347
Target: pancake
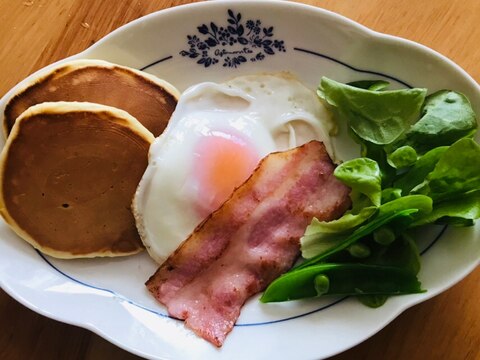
147	98
68	173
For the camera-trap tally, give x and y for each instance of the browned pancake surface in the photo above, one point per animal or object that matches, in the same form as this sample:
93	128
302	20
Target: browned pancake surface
69	179
103	83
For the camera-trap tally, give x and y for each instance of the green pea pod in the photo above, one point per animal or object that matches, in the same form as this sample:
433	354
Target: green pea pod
343	279
373	301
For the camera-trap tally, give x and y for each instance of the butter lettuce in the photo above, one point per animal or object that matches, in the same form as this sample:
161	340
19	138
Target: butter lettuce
390	194
379	117
456	172
374	85
363	176
447	116
322	235
402	157
422	167
459	211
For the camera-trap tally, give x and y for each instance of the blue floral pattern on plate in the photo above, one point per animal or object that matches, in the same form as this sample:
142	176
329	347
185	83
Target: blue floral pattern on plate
233	44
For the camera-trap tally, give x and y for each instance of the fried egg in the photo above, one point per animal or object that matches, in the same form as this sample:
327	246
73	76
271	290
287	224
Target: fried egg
213	142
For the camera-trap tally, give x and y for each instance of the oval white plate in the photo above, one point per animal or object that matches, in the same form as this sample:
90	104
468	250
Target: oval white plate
183	45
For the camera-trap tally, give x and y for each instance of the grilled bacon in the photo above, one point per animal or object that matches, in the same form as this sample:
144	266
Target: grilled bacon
249	241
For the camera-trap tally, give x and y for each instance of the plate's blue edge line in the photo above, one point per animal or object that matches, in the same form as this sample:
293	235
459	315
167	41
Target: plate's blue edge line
353	67
121	297
439	235
156	62
117	295
435	240
296	316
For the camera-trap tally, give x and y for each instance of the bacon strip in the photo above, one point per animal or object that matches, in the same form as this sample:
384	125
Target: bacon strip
251	240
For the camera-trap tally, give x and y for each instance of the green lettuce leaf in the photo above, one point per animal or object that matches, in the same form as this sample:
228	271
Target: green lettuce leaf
379	117
363	176
456	172
447	116
417	174
390	194
373	85
402	157
459	211
321	235
422	203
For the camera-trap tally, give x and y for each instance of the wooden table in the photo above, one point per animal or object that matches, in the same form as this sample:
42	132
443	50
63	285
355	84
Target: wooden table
34	33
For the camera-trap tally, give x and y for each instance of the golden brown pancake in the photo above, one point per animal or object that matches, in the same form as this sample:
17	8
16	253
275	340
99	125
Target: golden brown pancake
68	173
149	99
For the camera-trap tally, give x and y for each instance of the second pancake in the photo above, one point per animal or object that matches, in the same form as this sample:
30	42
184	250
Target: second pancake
147	98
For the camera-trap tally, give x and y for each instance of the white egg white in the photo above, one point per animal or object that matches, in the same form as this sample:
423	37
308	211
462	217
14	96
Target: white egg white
292	112
273	111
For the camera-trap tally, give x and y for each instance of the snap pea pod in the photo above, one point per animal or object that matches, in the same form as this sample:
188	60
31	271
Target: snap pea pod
355	236
342	279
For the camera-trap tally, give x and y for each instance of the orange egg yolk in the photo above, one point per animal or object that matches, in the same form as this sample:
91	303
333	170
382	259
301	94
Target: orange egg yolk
222	163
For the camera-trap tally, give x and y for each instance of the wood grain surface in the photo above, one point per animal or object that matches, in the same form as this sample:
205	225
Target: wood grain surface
34	33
